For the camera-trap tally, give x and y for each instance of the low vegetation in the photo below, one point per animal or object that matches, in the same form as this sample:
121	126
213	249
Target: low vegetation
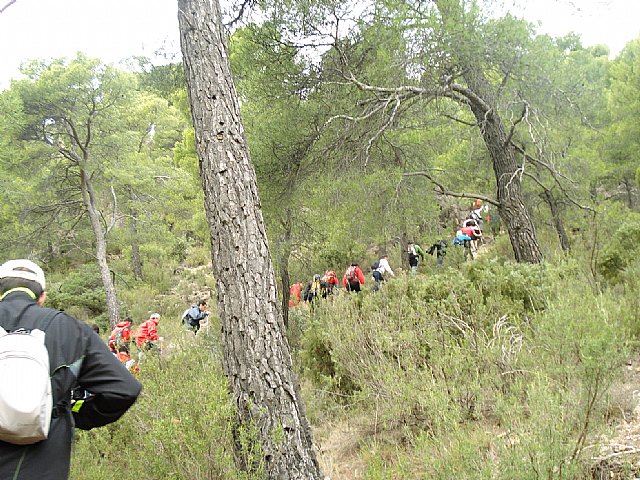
487	369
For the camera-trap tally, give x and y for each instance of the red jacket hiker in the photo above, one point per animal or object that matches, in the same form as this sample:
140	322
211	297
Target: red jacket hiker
470	231
148	331
121	335
353	278
129	362
294	294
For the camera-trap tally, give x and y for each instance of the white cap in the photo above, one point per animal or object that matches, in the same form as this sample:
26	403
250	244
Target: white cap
22	268
155	315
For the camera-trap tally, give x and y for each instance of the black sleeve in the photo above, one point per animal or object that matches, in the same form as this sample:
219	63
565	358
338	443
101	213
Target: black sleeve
113	388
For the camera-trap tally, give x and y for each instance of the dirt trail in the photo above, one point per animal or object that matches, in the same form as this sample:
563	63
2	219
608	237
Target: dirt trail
339	451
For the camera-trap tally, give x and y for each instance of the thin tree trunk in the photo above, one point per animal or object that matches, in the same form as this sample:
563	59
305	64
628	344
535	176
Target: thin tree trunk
404	246
88	198
557	219
628	186
256	356
136	263
285	254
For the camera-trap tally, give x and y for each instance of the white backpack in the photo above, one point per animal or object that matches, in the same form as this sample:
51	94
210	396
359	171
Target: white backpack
25	388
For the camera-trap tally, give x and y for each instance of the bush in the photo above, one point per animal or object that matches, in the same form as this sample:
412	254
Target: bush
81	293
621	251
180	427
526	352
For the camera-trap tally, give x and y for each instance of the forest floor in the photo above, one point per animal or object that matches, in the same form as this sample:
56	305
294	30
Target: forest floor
339	450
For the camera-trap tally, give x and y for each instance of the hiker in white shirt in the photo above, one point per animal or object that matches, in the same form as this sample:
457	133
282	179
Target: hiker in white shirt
378	273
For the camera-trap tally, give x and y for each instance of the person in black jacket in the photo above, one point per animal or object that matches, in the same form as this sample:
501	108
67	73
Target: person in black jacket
77	356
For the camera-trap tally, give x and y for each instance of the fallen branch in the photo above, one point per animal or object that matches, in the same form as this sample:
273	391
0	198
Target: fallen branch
603	458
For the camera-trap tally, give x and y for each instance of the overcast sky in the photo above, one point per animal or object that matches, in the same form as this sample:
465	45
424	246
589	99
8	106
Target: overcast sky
116	29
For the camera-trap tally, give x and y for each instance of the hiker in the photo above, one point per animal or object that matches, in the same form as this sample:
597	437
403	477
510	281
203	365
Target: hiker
195	315
313	289
473	232
476	213
121	335
379	268
147	334
125	358
470	222
295	291
328	283
414	251
353	278
76	355
439	248
463	240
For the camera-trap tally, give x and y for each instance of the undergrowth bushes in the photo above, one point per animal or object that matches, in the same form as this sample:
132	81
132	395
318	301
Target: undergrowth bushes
526	352
180	428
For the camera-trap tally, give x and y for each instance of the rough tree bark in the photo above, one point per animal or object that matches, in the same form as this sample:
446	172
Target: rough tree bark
256	356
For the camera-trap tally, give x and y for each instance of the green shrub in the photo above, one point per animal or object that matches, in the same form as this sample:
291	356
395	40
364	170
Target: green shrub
80	292
621	250
180	427
524	352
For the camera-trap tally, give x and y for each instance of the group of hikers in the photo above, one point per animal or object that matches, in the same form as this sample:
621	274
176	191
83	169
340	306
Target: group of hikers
146	336
58	374
353	280
468	235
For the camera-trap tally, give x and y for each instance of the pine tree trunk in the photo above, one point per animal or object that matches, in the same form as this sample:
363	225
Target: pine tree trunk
508	173
481	98
256	356
557	220
404	246
284	253
136	262
88	198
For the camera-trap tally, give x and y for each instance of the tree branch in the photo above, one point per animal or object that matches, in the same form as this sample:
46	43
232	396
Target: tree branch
471	96
555	174
11	2
525	112
444	191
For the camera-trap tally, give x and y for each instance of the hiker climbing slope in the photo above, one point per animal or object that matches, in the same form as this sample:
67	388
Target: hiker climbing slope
195	315
380	268
121	335
147	334
353	278
415	253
